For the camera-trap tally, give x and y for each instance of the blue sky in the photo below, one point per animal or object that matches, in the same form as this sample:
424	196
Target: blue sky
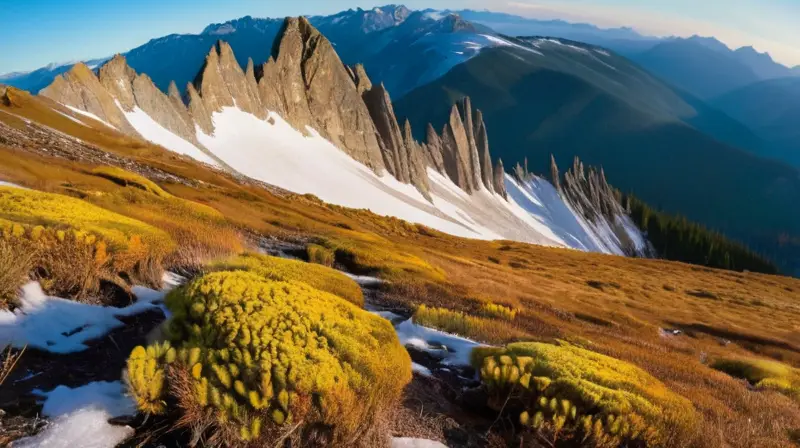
37	32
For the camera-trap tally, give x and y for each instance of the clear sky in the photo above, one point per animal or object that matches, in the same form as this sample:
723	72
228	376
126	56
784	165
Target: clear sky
37	32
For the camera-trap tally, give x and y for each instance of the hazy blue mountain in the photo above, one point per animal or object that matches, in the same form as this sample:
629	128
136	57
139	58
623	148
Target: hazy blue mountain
762	63
578	100
772	109
696	66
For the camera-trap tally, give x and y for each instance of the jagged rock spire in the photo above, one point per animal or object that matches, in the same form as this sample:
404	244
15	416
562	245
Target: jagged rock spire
456	152
307	83
433	150
222	83
500	179
555	177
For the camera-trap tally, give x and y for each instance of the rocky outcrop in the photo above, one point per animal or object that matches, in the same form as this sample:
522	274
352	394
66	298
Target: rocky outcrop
455	152
308	82
394	149
81	89
472	159
363	83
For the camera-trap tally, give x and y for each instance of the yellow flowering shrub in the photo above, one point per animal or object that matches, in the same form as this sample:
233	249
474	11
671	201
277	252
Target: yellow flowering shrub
598	399
264	355
763	374
281	269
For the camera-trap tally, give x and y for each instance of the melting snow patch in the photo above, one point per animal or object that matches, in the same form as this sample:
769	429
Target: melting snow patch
364	280
85	428
453	350
81	417
159	135
406	442
63	326
420	369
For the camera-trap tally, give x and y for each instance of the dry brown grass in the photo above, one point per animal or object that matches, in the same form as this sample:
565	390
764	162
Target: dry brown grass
15	265
10	358
613	305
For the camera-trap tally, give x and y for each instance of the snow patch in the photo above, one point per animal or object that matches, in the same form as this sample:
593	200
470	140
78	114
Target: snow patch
71	118
364	280
89	114
64	326
81	417
406	442
155	133
451	349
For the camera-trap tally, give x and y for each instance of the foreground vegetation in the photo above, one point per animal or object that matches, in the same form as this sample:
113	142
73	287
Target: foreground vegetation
261	361
656	327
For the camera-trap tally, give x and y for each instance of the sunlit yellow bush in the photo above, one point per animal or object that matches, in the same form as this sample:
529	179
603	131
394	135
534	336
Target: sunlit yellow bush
763	374
281	269
596	398
264	355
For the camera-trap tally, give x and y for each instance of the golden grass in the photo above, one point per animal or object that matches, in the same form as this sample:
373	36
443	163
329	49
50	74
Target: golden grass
456	322
763	374
15	265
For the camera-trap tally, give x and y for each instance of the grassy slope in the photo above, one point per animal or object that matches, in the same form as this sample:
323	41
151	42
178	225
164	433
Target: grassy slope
531	111
613	305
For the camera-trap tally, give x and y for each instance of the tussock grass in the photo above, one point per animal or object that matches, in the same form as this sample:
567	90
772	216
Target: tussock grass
499	311
763	374
279	269
456	322
320	255
16	263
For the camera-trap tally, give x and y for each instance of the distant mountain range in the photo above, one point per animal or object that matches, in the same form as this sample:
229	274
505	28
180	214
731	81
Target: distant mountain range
571	99
772	109
442	39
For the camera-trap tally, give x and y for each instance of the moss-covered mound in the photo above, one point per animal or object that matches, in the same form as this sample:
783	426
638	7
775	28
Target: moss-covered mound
31	208
763	374
596	398
257	358
281	269
72	245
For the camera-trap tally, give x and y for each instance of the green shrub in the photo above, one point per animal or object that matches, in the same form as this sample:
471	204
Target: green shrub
763	374
320	255
281	269
262	356
595	398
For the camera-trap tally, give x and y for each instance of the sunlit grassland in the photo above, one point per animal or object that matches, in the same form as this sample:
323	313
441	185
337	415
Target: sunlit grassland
621	307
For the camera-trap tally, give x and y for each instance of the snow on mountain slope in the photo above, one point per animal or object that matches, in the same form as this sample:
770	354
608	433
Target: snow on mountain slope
157	134
274	152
